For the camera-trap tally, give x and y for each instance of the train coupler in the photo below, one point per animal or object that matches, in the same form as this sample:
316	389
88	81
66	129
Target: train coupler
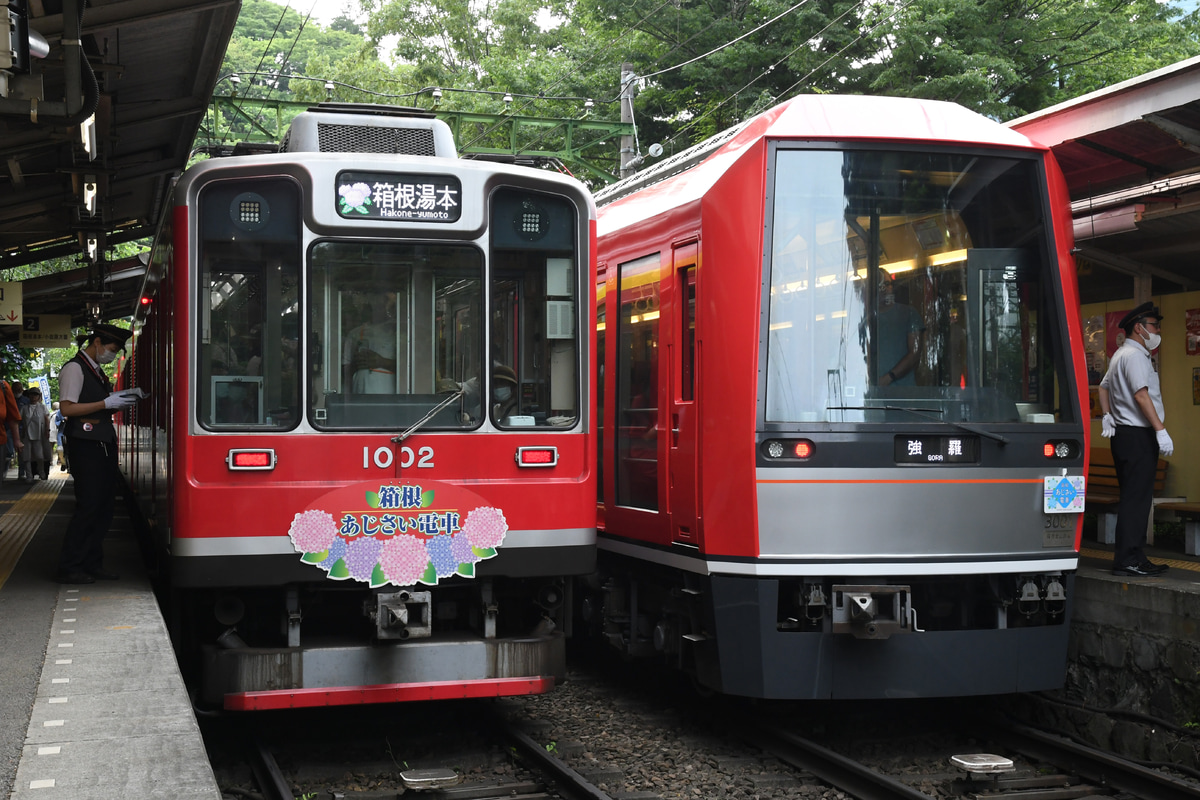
403	615
872	612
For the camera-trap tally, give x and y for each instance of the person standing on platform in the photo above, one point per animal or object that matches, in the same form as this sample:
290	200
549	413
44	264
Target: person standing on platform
18	390
10	422
1131	401
88	402
60	433
35	436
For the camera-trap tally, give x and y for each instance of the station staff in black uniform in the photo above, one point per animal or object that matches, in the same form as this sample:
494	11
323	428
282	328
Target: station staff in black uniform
88	402
1131	400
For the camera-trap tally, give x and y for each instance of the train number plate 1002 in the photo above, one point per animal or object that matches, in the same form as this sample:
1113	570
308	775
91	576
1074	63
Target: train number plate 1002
1063	494
929	449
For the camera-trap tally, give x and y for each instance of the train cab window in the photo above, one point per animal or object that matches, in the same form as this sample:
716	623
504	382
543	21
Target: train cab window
905	282
248	365
396	331
534	351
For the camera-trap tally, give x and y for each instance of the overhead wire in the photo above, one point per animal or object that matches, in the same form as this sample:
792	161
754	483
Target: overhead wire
575	70
806	76
261	59
722	47
266	49
621	95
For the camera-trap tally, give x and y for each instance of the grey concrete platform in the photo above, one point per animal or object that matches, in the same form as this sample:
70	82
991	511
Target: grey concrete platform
105	714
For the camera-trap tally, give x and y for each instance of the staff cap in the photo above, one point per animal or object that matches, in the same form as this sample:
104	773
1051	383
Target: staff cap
1144	311
109	334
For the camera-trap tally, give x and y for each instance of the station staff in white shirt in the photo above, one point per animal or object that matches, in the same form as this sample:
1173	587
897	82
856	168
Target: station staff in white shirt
1131	400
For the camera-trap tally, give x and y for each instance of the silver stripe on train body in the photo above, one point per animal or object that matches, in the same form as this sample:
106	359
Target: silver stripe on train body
952	514
827	567
282	545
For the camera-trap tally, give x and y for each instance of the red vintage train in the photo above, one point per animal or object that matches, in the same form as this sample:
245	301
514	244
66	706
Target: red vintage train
843	445
368	450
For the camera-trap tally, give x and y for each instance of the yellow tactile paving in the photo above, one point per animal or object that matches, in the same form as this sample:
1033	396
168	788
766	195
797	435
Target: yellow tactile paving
1173	563
21	521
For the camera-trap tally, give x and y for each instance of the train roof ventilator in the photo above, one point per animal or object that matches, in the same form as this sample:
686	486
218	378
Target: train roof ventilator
341	128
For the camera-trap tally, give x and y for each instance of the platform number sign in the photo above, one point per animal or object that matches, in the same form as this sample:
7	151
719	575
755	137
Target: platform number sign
46	330
10	303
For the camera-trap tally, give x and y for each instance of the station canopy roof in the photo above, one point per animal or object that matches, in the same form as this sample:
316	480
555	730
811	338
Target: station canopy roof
155	64
1131	156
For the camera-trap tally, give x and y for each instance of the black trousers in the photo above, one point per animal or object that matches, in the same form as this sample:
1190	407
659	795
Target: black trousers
1135	456
94	469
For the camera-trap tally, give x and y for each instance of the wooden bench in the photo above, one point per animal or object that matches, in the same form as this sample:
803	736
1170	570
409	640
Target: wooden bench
1103	494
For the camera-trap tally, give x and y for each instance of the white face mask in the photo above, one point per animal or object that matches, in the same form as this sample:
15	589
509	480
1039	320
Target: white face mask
503	393
1152	339
106	356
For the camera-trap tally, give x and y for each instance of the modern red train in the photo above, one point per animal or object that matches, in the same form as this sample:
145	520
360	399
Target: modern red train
368	450
842	435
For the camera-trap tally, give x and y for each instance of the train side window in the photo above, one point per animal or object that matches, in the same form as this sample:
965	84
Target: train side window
534	354
687	336
601	325
637	383
248	248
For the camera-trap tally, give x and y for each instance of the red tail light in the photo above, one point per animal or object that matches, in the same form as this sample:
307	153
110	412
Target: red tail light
251	459
537	456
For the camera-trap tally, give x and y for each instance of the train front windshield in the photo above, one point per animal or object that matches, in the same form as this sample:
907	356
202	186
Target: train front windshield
911	284
395	326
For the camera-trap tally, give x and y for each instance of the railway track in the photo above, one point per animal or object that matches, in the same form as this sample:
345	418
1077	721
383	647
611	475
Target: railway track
600	736
1043	767
457	762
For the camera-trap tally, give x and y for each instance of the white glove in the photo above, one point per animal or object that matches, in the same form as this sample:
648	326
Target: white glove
1165	445
120	400
1107	428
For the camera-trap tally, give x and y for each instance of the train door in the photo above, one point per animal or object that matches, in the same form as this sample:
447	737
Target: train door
601	358
682	444
640	400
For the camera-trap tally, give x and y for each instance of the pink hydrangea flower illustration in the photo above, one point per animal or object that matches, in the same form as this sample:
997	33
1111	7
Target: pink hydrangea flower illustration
313	531
485	527
404	559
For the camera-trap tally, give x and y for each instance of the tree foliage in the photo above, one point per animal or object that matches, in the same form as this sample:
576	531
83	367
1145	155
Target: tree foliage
707	64
703	65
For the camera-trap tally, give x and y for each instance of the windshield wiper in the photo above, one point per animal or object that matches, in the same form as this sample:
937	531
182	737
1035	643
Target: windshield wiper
428	416
926	413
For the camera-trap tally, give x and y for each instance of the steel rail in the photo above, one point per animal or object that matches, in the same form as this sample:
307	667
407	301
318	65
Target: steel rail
567	781
838	771
1097	766
267	774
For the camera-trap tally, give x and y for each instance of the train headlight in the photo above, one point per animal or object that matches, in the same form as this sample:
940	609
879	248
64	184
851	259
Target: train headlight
249	211
1062	448
801	449
531	222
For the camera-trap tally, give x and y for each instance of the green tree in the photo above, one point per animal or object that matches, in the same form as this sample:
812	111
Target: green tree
1006	58
708	64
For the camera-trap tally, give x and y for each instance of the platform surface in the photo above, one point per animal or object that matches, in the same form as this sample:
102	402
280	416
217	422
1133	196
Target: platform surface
92	705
